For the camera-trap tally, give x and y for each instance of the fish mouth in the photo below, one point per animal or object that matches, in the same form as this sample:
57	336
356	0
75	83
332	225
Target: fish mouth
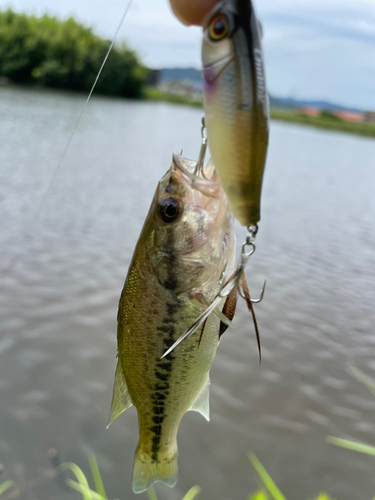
207	187
211	72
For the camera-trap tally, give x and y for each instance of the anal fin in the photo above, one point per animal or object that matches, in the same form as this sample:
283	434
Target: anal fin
202	401
121	399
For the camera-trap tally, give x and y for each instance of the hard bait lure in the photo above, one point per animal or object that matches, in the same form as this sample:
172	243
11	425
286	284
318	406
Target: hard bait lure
236	104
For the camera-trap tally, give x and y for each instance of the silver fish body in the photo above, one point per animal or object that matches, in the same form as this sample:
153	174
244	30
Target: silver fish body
236	103
186	244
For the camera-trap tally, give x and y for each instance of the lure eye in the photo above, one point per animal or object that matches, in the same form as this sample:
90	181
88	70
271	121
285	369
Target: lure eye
219	28
169	210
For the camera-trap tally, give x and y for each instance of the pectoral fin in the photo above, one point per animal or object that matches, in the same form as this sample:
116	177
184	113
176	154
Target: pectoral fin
201	299
201	402
121	399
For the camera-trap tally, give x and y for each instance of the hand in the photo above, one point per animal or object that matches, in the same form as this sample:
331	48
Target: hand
192	11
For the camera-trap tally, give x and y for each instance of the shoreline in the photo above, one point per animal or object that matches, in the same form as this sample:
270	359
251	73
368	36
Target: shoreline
363	129
154	94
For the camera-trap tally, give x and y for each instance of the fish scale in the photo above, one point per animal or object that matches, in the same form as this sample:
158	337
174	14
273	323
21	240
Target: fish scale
173	264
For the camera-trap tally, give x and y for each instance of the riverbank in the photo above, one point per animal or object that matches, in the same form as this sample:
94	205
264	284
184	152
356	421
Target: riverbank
154	94
364	129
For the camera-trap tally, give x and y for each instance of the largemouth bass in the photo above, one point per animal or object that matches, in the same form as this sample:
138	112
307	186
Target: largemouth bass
236	103
186	246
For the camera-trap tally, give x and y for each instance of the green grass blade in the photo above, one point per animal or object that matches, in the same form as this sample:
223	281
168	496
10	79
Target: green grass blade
351	445
362	377
5	486
266	478
259	495
86	492
192	493
151	493
97	477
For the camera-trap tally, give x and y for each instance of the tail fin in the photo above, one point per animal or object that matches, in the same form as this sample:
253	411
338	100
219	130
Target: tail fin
148	469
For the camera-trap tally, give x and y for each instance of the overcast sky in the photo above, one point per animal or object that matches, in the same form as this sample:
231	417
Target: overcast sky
321	49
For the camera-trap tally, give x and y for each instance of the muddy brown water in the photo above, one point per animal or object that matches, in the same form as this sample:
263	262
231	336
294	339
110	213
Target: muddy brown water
61	279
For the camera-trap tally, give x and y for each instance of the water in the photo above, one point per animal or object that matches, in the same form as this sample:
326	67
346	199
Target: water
61	280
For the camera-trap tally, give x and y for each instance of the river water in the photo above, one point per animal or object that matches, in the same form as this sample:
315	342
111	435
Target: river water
61	278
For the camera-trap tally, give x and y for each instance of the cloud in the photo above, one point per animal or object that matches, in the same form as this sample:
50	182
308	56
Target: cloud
323	49
149	27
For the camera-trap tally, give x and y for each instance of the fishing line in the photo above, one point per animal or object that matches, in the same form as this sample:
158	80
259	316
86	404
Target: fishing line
44	199
13	261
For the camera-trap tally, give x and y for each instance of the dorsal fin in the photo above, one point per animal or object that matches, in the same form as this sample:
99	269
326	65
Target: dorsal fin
121	399
201	402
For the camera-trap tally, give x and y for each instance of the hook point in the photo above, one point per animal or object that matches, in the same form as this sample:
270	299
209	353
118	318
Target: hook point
256	301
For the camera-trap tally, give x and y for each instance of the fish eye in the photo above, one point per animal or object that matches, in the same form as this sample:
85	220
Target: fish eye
169	210
219	28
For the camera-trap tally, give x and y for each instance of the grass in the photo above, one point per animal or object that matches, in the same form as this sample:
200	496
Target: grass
271	487
353	445
266	478
324	121
5	486
270	491
154	94
81	485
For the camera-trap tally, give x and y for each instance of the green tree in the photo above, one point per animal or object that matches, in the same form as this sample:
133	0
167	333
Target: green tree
65	54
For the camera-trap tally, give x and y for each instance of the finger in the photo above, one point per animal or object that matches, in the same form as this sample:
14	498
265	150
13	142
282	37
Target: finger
192	11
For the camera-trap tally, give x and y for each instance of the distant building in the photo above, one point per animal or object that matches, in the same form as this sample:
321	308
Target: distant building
309	111
369	116
349	116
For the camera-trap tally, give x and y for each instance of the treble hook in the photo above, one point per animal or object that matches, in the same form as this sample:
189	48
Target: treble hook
253	301
226	288
199	168
250	239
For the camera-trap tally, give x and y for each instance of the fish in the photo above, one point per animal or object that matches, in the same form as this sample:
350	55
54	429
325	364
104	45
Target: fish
185	251
236	103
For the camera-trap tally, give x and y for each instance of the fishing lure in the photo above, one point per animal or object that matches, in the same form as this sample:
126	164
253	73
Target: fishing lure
236	104
236	283
237	122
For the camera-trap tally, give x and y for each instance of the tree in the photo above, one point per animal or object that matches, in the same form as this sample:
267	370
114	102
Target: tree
65	54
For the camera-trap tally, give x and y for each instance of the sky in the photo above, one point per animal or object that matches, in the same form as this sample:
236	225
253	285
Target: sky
323	49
